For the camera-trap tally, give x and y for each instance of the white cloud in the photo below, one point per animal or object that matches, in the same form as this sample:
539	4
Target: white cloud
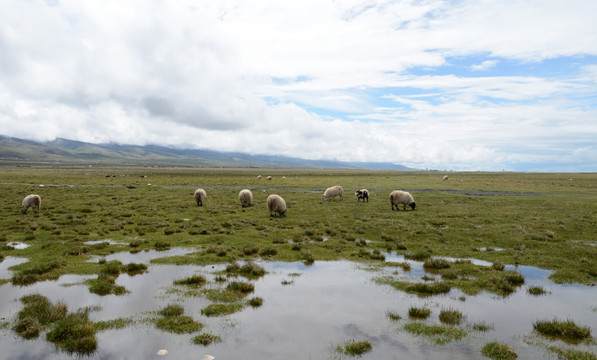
357	80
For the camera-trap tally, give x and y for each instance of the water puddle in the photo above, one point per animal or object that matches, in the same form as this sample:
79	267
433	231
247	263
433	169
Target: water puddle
8	262
108	241
327	304
18	245
145	256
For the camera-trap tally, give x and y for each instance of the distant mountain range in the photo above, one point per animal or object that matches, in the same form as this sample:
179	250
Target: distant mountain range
63	151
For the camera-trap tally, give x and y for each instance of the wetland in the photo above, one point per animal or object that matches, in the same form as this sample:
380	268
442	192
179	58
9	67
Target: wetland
488	257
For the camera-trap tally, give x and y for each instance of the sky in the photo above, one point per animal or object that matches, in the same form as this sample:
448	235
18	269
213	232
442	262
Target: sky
479	85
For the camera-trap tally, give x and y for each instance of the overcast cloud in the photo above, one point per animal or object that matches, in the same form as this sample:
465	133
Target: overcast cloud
438	84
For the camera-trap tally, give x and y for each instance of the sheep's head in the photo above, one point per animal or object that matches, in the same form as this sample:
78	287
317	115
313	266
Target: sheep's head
412	205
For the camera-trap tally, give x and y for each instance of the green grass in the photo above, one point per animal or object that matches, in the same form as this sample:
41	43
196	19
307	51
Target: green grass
206	339
439	334
418	313
536	290
74	334
71	332
192	281
174	321
451	317
564	330
221	309
97	208
572	354
355	348
497	351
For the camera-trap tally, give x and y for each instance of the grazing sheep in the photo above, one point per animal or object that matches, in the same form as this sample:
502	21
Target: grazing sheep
399	197
245	197
276	205
259	177
332	192
362	194
32	201
200	196
445	177
268	178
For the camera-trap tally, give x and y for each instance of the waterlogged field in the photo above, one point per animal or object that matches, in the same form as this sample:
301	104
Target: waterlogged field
126	257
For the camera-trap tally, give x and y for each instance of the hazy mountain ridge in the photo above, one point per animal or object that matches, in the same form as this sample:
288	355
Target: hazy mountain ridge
77	152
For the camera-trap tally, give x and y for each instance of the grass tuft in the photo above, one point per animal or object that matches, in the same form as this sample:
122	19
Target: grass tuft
564	330
355	348
497	351
451	317
206	339
418	313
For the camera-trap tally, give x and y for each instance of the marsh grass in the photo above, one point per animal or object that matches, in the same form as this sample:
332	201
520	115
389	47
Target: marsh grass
219	309
482	326
119	323
206	339
451	316
71	332
74	334
497	351
536	290
393	316
572	354
355	348
439	334
193	281
174	321
563	330
256	302
249	270
418	313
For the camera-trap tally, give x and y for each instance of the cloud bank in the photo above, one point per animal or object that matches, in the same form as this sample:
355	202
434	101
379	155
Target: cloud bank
438	84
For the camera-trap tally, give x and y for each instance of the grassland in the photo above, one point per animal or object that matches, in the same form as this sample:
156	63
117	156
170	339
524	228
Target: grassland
543	220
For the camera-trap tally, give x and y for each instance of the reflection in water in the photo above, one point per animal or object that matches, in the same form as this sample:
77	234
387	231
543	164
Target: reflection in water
327	304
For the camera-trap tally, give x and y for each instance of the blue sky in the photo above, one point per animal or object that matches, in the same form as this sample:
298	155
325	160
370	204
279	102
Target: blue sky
431	84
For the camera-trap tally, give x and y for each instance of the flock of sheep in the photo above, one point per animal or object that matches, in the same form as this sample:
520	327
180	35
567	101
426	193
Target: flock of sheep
275	203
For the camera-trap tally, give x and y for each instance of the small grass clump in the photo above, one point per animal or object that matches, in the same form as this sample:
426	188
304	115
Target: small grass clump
451	317
74	334
105	285
256	302
172	310
193	281
355	348
536	290
482	326
436	264
497	351
440	334
572	354
178	324
418	313
428	289
133	268
564	330
417	255
206	339
240	287
393	316
249	270
221	309
174	321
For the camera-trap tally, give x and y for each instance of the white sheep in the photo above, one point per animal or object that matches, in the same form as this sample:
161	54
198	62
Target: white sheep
362	194
276	205
245	197
333	192
399	197
32	201
259	177
445	177
200	196
268	178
